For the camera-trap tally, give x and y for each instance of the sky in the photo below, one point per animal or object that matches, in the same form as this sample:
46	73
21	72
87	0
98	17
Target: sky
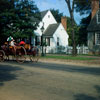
57	5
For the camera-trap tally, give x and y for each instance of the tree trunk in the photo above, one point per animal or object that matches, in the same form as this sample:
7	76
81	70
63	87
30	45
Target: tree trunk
71	11
73	35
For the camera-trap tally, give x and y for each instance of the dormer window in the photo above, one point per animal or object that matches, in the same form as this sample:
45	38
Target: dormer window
98	17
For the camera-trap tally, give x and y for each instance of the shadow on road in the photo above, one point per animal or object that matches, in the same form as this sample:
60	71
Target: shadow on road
98	90
69	68
6	73
84	97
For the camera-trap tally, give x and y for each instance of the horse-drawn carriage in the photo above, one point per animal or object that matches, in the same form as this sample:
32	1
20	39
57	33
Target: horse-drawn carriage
19	53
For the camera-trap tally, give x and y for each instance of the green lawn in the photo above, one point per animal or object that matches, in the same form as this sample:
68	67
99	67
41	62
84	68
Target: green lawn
70	57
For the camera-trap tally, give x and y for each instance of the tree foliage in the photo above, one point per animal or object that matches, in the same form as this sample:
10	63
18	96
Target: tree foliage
57	15
16	18
83	30
83	6
69	31
71	4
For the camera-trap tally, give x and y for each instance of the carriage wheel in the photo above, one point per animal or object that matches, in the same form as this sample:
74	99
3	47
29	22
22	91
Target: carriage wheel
35	55
20	58
20	55
2	55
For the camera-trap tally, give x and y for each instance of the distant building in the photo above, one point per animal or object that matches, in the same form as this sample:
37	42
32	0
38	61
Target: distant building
94	28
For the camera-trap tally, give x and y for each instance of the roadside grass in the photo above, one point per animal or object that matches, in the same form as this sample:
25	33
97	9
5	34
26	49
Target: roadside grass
70	57
89	55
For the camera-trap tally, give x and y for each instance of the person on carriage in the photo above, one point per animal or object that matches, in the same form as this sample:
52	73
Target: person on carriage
10	41
22	43
12	45
9	38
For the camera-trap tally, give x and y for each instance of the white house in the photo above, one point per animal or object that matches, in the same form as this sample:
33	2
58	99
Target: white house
54	34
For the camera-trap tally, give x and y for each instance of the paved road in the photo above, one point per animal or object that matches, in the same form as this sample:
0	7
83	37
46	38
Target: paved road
47	81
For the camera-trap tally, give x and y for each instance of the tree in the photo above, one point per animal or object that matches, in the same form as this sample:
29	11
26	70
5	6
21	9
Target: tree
16	18
69	31
84	8
71	5
83	30
5	15
27	12
57	15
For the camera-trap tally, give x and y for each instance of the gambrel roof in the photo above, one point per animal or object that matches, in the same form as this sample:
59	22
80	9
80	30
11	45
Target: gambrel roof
94	25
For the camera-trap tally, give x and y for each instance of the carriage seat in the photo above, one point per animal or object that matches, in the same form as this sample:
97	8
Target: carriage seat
10	47
27	46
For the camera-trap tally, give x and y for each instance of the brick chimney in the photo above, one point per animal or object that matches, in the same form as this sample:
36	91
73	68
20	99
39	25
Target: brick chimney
94	7
64	22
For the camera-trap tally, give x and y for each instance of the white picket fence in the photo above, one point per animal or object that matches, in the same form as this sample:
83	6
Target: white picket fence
68	50
80	50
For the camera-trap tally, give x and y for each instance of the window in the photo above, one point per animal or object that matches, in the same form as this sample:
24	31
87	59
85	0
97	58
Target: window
98	17
48	41
97	38
57	41
37	40
48	16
